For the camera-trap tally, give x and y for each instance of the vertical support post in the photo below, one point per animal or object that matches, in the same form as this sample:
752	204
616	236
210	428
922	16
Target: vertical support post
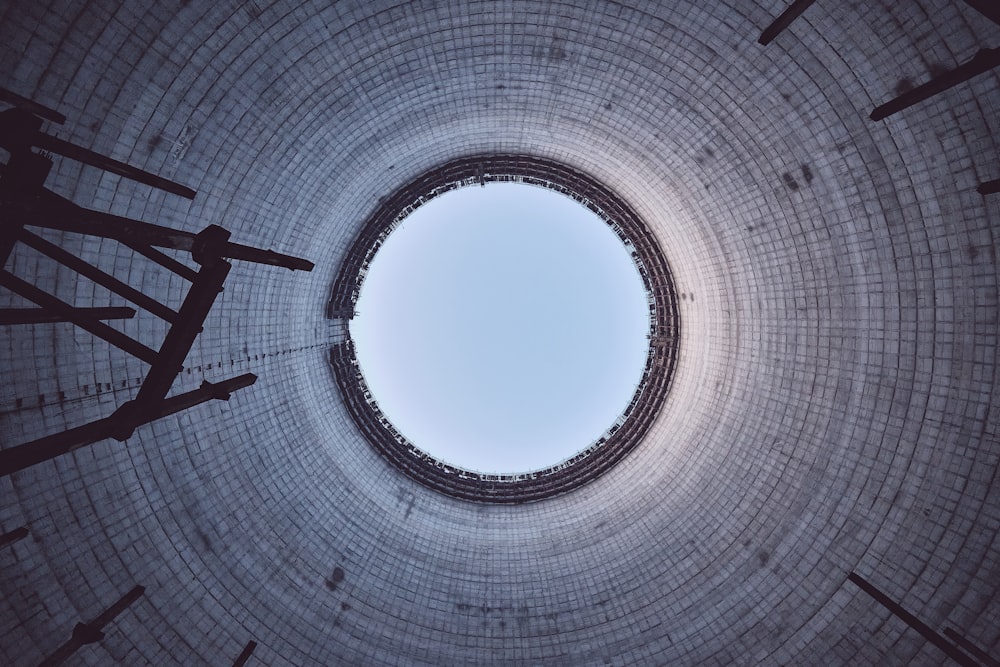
793	12
190	318
90	633
983	61
13	536
25	172
248	650
925	630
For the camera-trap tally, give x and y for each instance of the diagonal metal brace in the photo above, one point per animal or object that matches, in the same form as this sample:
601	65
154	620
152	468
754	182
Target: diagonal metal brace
92	632
983	61
783	21
119	425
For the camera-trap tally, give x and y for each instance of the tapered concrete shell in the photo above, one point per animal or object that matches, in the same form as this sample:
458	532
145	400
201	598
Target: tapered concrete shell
832	410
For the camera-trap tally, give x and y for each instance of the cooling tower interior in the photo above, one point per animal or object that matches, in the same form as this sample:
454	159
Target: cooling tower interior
831	417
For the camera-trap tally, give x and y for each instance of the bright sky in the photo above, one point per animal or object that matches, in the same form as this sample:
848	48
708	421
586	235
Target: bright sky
502	328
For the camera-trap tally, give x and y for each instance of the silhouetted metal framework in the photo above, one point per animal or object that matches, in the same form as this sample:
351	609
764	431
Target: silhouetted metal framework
24	201
664	331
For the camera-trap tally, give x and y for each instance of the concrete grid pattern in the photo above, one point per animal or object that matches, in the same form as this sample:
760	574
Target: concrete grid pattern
832	409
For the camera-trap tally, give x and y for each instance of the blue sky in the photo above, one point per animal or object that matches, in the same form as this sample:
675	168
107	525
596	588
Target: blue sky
502	328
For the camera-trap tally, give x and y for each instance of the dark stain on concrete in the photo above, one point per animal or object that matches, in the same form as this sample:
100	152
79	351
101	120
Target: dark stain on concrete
807	174
904	85
408	498
763	557
937	69
557	52
335	578
206	541
790	181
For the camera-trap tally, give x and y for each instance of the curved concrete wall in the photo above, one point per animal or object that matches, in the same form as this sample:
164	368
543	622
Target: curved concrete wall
832	411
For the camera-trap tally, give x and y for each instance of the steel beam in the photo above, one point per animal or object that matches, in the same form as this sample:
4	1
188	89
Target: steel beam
80	154
92	632
979	653
13	536
120	424
784	20
120	288
989	187
164	260
12	98
54	212
242	658
71	314
983	61
988	8
178	341
10	316
925	630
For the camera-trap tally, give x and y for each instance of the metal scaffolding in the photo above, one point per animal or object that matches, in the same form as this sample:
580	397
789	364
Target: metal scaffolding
25	202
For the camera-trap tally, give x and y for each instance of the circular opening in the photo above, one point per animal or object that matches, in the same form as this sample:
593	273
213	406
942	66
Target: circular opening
502	328
662	327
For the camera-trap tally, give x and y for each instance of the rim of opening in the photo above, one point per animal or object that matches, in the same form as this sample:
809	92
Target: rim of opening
594	459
